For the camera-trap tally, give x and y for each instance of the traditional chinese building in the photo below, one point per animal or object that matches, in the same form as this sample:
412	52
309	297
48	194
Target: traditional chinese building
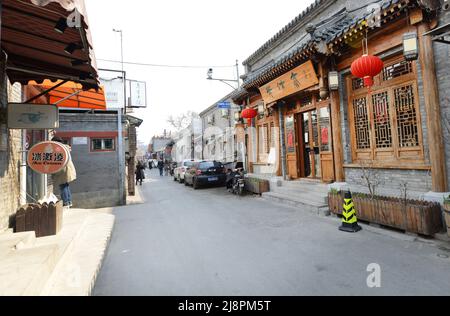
331	127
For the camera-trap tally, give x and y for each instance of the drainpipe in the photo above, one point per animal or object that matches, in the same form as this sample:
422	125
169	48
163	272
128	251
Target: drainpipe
23	171
282	140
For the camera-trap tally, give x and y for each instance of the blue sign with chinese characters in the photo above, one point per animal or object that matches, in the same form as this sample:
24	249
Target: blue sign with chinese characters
224	105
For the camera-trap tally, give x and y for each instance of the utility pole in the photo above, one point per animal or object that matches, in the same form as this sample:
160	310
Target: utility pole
120	149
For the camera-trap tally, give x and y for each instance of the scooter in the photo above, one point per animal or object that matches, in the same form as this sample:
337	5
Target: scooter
235	182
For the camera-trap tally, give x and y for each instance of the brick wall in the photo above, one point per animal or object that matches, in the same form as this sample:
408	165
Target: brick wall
418	181
9	157
97	183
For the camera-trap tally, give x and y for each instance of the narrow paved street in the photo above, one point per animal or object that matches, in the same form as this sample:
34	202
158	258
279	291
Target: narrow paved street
208	242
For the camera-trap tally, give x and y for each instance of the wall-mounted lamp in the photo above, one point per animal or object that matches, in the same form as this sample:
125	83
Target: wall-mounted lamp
79	62
261	109
410	46
71	48
61	25
237	116
210	73
333	80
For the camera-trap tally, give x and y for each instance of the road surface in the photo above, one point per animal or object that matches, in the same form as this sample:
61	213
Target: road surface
208	242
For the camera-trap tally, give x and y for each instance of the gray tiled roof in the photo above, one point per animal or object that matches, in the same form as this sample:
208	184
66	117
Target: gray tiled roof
312	7
326	31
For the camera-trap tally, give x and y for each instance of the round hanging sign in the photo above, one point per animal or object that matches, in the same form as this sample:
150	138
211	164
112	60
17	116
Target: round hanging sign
48	157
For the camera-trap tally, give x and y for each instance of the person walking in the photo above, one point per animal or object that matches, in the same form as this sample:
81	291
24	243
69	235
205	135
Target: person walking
161	167
166	167
140	174
66	176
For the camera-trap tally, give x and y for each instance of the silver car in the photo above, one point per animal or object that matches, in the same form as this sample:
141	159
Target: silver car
180	171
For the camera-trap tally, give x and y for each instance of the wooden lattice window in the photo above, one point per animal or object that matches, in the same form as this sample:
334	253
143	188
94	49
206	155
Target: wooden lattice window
273	135
397	70
361	120
408	134
306	100
381	119
263	140
357	83
385	123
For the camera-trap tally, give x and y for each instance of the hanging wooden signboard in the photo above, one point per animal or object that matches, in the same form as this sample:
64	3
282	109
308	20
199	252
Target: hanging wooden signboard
298	79
32	116
48	157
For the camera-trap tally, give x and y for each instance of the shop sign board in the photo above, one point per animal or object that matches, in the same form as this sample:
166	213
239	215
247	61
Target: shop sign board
32	116
298	79
48	157
138	94
114	93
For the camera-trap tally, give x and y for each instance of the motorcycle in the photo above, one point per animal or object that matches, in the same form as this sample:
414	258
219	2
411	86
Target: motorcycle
236	182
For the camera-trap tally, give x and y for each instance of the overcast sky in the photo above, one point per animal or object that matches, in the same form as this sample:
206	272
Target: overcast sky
204	33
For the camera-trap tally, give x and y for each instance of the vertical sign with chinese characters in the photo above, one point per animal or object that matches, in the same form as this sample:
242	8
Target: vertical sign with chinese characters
48	157
298	79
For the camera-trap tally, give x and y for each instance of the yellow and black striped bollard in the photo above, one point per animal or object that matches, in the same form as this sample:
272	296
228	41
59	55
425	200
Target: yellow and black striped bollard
349	219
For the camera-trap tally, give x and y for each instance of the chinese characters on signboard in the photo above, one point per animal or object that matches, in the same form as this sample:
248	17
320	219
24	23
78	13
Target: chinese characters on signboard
298	79
48	157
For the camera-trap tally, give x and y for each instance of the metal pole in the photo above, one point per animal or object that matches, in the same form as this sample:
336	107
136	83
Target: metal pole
121	157
237	72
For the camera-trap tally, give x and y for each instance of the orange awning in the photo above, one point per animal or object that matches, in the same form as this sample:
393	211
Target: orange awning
89	99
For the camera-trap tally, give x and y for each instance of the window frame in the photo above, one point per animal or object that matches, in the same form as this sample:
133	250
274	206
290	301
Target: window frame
91	146
395	154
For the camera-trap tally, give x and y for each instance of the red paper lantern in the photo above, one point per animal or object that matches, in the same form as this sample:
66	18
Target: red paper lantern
366	67
249	114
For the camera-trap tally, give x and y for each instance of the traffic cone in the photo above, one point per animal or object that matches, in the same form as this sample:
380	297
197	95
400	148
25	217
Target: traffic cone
349	219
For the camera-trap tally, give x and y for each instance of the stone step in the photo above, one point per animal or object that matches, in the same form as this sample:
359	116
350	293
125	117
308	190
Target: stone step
307	194
300	201
10	241
319	187
25	272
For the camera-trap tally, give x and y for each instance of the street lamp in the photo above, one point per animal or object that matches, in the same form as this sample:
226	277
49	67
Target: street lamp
210	77
120	149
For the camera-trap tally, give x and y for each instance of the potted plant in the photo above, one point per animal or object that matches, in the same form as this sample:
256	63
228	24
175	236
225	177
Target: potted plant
447	213
409	215
256	185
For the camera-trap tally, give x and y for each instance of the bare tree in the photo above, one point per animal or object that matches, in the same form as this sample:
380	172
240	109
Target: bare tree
370	177
181	121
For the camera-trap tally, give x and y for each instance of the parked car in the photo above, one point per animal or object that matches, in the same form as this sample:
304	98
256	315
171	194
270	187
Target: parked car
206	173
179	172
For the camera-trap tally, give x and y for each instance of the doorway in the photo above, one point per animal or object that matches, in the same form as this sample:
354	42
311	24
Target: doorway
309	147
315	146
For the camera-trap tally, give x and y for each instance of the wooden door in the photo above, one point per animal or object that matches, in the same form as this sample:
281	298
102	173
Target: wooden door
291	146
326	144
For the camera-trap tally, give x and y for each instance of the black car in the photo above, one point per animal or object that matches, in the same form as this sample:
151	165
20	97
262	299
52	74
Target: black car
206	173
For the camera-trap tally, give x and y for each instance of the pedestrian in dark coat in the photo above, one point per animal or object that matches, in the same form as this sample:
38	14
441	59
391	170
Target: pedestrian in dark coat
140	174
161	167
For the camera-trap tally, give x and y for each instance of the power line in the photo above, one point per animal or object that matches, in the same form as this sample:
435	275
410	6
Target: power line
162	65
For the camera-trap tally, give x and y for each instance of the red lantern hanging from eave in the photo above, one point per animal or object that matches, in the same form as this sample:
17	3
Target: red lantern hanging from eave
366	67
249	114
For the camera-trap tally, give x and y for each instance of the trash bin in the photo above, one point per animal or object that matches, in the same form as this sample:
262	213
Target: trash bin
44	219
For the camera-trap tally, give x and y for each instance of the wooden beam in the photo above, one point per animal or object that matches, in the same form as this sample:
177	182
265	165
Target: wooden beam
432	107
338	151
